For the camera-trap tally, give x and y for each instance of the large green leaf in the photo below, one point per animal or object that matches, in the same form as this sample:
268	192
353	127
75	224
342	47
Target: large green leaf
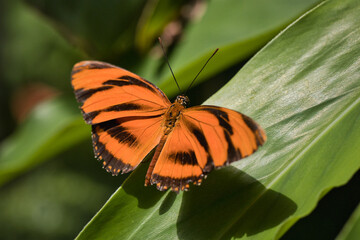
52	127
351	230
304	88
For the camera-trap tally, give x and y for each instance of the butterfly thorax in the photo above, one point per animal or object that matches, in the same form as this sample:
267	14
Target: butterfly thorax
174	112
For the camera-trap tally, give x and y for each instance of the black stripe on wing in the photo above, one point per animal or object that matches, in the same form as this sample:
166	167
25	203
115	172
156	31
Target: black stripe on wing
88	117
110	162
91	65
83	94
128	80
176	184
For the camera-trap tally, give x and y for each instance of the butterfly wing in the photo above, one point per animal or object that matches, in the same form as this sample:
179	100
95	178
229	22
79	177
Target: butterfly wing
107	92
124	142
205	137
125	112
177	164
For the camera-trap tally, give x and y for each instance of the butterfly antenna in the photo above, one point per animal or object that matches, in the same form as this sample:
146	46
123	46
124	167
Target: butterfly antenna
201	70
168	63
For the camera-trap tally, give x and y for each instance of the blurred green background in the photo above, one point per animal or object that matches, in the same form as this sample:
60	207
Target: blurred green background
50	183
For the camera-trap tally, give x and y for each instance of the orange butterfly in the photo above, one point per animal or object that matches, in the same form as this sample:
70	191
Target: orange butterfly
130	116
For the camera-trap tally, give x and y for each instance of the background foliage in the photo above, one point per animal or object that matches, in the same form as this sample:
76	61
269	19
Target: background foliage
303	87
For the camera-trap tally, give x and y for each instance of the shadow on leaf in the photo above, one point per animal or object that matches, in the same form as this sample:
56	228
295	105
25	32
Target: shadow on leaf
147	196
230	203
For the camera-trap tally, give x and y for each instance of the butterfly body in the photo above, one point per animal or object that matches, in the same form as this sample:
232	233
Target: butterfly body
173	113
130	116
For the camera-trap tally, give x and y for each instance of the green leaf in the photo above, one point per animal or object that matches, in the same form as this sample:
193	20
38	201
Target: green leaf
101	28
304	88
351	230
52	127
156	15
237	28
33	51
61	201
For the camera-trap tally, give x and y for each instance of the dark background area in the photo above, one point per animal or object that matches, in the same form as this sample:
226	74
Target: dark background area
55	199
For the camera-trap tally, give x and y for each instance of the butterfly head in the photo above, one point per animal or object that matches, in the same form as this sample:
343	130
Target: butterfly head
183	100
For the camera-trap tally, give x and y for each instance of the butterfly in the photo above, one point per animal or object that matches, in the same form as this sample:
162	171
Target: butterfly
130	116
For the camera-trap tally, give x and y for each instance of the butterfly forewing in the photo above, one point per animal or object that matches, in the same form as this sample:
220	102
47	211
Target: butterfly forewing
225	134
107	92
125	111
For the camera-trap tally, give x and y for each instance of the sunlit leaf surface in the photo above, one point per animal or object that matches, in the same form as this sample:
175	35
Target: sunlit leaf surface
304	88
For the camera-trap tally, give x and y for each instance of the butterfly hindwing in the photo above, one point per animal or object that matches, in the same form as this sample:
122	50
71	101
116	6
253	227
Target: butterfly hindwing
125	112
205	137
123	143
178	163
